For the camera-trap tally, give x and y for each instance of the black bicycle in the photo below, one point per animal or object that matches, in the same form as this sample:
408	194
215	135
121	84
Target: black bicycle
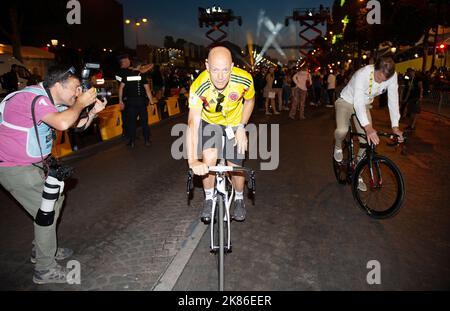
222	199
376	181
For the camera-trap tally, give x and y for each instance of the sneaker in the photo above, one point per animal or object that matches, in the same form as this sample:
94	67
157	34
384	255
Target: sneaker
61	254
276	112
239	210
312	104
57	274
205	216
286	109
268	113
148	143
329	106
361	185
338	156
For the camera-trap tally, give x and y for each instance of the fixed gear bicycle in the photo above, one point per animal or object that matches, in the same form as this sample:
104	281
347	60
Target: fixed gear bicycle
376	182
220	231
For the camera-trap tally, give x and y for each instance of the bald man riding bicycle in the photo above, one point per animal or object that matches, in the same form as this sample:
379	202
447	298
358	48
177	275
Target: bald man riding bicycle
221	102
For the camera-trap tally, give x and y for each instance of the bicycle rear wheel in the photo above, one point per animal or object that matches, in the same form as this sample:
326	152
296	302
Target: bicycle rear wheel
380	193
342	169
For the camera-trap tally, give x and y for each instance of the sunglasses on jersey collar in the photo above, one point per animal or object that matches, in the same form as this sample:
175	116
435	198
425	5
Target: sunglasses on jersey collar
219	100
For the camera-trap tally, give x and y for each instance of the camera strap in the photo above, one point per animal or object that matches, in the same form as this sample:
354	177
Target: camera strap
45	166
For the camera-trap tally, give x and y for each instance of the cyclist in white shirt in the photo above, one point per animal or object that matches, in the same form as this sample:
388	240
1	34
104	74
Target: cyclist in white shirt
367	83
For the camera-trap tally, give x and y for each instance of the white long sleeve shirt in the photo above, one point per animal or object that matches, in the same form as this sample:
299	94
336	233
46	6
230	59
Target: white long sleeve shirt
300	79
359	93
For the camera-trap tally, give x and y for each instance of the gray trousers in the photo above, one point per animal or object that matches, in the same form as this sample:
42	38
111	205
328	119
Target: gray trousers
344	111
26	183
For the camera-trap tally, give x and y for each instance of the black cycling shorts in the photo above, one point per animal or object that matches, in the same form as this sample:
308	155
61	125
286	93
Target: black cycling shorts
213	136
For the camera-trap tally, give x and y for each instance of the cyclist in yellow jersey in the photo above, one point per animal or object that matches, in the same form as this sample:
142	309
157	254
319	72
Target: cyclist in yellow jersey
221	101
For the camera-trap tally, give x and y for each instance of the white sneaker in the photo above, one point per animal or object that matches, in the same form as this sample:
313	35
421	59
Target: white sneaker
338	156
312	104
268	113
361	185
329	106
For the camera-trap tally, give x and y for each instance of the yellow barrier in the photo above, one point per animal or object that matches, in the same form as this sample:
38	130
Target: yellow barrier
173	106
110	122
416	63
61	145
152	111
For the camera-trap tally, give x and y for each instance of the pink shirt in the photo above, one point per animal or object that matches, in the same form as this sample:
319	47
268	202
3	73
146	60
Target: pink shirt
13	151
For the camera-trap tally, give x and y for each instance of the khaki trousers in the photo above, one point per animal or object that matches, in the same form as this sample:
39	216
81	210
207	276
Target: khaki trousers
26	184
344	111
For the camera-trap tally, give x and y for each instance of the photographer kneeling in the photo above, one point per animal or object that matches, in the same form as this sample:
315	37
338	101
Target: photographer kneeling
28	119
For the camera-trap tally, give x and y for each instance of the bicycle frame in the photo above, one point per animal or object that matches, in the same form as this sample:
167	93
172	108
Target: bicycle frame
220	190
369	153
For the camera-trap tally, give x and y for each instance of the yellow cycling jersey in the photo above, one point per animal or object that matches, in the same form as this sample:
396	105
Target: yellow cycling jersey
204	94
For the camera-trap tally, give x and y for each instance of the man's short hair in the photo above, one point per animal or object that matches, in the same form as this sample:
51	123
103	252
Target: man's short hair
386	65
59	74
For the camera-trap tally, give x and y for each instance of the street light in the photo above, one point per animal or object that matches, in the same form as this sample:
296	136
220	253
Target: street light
137	22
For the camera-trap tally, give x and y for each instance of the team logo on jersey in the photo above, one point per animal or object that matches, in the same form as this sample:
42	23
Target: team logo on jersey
233	96
205	102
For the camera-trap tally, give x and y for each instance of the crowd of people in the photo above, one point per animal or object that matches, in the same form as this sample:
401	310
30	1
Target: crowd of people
290	89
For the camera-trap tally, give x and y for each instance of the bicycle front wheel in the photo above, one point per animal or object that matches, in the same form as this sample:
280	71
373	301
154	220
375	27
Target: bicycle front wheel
378	187
221	236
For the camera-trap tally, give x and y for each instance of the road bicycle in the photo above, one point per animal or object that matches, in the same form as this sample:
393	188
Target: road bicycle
376	181
220	230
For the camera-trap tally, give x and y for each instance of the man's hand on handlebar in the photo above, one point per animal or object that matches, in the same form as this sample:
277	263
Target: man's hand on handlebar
397	131
199	168
372	136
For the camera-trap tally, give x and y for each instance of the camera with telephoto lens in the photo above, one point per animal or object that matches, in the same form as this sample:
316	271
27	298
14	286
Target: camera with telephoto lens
86	84
53	187
57	170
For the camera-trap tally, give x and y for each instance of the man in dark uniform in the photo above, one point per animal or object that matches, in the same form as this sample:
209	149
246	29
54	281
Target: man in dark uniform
412	98
134	94
125	63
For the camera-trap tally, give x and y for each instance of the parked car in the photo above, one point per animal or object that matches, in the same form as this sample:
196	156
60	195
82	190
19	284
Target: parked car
23	74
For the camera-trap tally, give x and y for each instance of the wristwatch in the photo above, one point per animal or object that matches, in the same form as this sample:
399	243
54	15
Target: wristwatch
240	125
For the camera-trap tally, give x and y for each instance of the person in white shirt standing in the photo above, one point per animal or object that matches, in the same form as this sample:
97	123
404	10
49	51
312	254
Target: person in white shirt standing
299	93
367	83
331	86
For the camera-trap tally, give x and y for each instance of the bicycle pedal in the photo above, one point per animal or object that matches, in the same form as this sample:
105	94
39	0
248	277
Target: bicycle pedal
229	250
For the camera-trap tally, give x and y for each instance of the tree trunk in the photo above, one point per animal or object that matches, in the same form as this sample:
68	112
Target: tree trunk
358	64
434	47
425	49
15	33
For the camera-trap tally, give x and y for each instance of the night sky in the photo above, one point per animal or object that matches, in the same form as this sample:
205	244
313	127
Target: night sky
179	18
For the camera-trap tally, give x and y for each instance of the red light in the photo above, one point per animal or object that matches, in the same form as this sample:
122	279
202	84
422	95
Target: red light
442	46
